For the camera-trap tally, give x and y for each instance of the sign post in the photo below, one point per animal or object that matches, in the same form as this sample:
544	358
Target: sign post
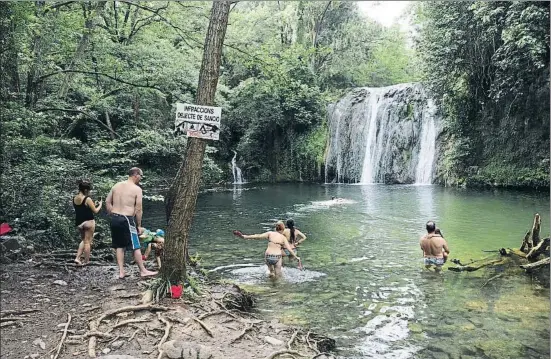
198	121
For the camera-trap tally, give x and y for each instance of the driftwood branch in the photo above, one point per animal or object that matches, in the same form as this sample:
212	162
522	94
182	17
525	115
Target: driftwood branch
537	264
209	332
472	268
63	336
168	325
539	249
18	311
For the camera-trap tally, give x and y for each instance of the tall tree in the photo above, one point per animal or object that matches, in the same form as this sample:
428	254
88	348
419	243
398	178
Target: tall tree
183	193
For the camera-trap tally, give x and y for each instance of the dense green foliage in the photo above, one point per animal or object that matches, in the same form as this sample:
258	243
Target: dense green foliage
488	63
88	89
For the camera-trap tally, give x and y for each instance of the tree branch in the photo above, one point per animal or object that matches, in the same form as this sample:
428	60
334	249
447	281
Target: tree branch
43	77
81	112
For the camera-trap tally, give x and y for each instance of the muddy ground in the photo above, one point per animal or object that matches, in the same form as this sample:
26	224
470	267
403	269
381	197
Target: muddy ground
199	328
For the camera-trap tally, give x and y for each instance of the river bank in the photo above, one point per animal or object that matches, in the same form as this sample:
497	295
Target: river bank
43	306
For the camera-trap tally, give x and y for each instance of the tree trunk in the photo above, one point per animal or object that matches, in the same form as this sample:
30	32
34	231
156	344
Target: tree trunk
89	25
186	185
532	238
9	71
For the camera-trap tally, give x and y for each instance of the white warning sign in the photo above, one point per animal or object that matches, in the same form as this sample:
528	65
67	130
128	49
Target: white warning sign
198	121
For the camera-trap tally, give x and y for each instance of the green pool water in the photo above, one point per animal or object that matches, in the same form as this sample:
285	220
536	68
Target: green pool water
364	283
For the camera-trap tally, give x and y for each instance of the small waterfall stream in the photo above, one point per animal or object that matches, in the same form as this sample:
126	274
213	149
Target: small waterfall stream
236	171
383	135
428	146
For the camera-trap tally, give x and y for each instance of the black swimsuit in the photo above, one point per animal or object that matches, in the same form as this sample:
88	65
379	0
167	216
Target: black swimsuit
82	212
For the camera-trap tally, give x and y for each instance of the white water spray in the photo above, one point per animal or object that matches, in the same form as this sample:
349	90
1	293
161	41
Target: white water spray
427	151
236	171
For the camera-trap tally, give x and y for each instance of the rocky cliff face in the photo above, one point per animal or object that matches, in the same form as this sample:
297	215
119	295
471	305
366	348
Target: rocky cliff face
383	135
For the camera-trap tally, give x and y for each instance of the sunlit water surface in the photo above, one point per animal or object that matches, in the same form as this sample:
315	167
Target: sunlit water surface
364	283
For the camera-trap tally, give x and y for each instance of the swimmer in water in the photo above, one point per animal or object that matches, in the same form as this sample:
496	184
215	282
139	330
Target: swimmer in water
276	242
292	234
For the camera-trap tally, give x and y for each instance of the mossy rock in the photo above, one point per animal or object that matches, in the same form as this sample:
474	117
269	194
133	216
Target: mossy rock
477	305
467	327
500	348
415	328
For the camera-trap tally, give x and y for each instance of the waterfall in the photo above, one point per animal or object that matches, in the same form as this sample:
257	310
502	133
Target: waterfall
236	171
382	135
370	150
428	146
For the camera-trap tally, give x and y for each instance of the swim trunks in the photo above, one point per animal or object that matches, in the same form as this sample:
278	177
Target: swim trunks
272	259
123	232
434	261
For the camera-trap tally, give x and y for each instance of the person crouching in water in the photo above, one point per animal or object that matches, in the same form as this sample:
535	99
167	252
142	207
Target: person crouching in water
292	234
276	242
85	208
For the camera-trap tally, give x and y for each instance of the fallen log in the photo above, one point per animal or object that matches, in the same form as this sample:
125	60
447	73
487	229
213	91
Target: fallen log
539	249
472	268
538	264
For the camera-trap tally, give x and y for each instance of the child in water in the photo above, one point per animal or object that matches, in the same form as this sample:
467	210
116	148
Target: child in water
153	240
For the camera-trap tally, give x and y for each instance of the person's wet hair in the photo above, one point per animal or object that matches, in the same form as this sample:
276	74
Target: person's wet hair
431	226
280	226
84	186
291	225
134	171
439	232
332	198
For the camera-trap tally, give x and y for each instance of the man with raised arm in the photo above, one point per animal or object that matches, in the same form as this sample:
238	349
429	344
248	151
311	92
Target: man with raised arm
434	246
124	204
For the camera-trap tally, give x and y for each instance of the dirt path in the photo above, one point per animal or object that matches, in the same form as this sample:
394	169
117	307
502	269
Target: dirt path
186	328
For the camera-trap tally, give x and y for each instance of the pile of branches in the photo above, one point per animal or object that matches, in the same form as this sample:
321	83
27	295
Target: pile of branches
532	254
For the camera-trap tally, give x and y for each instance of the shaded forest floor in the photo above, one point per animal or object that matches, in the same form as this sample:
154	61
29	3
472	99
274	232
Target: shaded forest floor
203	328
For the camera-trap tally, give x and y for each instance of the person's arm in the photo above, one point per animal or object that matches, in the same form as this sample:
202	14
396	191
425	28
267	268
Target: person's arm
109	202
290	249
300	234
257	236
445	246
92	205
138	209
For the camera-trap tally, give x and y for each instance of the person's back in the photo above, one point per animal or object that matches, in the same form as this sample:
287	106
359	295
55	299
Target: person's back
276	241
433	246
124	195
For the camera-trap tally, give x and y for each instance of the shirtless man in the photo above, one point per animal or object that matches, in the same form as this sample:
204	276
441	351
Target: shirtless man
434	246
124	204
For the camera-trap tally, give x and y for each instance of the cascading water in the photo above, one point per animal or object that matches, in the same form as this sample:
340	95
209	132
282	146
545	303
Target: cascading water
236	171
428	146
382	135
370	150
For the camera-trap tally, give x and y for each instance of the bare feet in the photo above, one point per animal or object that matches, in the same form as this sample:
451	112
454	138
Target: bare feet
78	262
147	273
123	275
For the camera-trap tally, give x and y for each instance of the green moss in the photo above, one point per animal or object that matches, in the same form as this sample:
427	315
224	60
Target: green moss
410	111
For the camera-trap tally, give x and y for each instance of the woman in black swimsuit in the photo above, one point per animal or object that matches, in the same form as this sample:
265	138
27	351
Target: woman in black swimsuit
85	209
276	242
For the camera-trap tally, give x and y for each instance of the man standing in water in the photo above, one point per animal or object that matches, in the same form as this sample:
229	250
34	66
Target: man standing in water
434	246
124	204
